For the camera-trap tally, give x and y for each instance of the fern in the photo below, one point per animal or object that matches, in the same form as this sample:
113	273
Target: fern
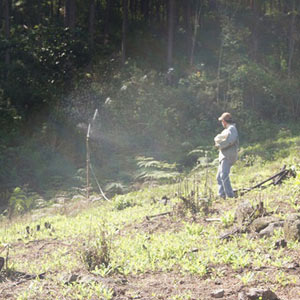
204	158
20	202
116	188
154	170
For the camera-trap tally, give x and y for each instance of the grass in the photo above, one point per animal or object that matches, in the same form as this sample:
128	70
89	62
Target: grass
114	239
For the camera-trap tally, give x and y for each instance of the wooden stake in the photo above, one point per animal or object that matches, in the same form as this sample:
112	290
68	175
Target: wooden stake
88	164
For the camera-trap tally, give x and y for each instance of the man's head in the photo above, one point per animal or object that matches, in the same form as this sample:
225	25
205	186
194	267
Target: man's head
226	119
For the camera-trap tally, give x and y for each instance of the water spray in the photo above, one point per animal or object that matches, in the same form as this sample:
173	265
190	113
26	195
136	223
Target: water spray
88	163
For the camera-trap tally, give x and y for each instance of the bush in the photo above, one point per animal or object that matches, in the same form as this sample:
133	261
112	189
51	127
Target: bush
98	253
19	202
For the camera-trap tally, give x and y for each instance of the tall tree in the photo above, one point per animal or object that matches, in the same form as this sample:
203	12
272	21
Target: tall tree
196	20
51	12
58	9
292	32
91	23
158	13
124	30
108	8
7	29
147	5
188	26
171	12
1	14
70	14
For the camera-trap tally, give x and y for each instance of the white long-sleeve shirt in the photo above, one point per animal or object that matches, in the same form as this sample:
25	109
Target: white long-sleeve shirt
228	143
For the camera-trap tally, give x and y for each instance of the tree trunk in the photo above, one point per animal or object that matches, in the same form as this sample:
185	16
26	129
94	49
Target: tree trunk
195	32
1	14
292	38
91	24
67	13
219	70
124	30
257	12
70	14
131	9
39	4
170	34
107	20
142	6
58	10
136	7
158	15
145	8
51	10
188	28
7	31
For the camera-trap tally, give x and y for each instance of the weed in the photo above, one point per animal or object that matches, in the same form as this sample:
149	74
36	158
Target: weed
122	202
193	228
98	252
284	279
246	278
191	248
20	202
154	170
186	296
228	219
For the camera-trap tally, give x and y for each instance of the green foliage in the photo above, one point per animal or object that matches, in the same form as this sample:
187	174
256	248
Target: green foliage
19	202
136	246
122	202
75	291
227	218
116	188
43	60
252	73
153	170
97	253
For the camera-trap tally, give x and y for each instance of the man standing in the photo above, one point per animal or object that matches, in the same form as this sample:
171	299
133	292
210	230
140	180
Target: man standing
227	142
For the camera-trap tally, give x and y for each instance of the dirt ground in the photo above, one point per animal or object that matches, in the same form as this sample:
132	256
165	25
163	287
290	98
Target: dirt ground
154	286
172	285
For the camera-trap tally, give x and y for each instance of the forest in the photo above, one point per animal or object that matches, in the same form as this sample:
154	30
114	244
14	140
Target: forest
158	72
109	110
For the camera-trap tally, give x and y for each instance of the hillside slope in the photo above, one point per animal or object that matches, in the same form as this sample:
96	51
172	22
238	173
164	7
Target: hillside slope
173	241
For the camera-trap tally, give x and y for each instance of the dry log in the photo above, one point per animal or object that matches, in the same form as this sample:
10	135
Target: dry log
158	215
227	235
212	220
276	179
258	211
2	260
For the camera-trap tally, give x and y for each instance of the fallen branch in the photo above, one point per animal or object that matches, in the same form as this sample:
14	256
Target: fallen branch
26	277
227	235
5	247
258	211
54	242
277	179
37	241
158	215
212	220
2	261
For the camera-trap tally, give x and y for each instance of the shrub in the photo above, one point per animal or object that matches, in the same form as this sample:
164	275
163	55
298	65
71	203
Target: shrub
98	253
19	202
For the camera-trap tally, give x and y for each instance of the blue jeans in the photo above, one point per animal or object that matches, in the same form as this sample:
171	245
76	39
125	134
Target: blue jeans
224	185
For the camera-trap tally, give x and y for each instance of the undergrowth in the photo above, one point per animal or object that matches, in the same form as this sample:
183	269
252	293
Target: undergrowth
145	233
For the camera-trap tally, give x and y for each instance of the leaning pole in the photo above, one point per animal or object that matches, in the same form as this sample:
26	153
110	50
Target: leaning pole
88	155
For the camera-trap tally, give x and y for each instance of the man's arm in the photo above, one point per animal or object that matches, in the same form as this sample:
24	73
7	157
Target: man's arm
230	140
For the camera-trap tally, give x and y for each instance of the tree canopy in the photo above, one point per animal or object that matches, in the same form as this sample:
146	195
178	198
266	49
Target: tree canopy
159	72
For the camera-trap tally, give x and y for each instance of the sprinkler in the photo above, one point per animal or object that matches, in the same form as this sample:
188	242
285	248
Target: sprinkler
88	155
88	163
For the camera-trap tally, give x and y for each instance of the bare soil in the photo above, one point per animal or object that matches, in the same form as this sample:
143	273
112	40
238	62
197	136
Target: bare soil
147	286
